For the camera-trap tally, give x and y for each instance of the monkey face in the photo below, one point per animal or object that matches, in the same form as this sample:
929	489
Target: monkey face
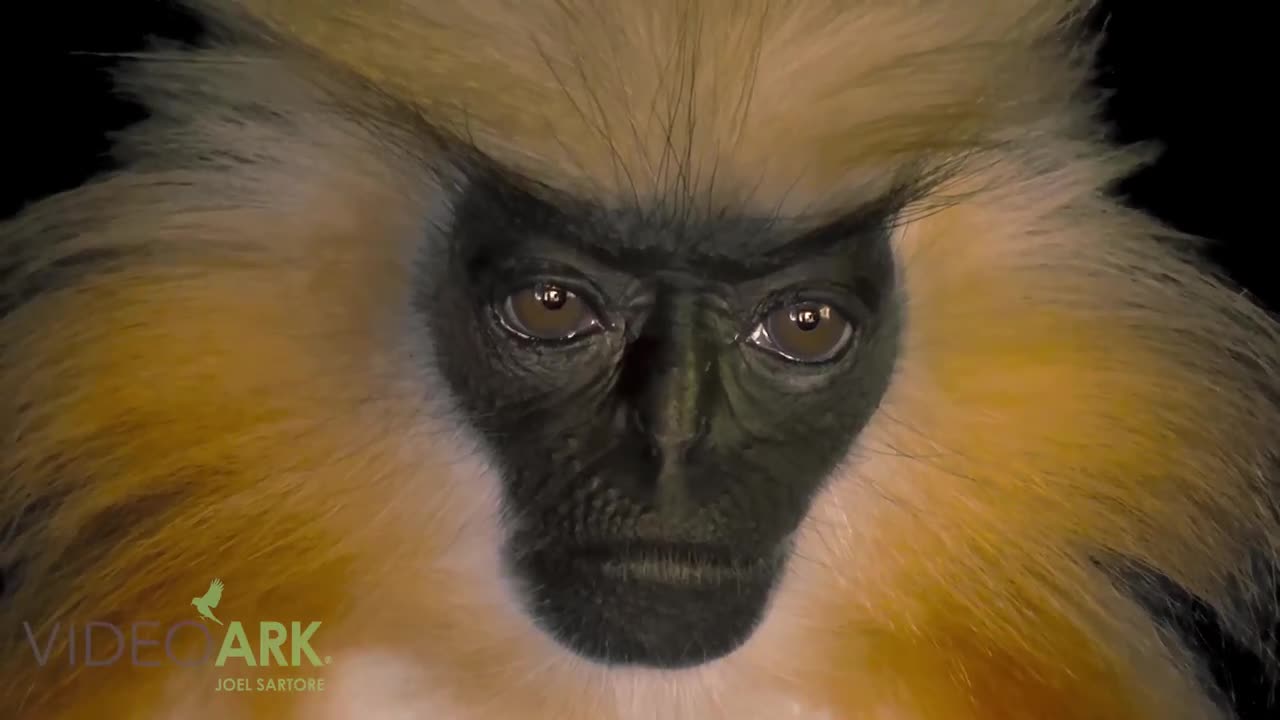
661	411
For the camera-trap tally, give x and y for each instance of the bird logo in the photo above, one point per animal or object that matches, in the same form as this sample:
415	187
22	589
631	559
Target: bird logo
205	605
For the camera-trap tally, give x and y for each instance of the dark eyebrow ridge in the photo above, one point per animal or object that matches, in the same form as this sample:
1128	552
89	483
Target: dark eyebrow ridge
768	242
865	219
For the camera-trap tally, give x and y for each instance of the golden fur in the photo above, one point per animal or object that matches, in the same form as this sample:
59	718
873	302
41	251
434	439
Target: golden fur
236	388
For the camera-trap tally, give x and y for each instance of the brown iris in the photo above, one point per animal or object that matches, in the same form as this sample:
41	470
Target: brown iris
547	311
805	332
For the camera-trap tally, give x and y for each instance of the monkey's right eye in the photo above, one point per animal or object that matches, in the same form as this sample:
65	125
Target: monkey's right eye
547	311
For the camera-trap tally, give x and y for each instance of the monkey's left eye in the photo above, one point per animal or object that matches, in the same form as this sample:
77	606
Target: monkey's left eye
547	311
804	332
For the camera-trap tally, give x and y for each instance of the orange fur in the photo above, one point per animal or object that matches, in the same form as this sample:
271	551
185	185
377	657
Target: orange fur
246	382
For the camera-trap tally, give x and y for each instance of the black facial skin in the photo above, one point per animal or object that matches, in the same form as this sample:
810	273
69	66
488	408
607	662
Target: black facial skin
656	467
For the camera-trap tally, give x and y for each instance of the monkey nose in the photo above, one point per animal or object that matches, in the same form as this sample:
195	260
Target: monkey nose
670	436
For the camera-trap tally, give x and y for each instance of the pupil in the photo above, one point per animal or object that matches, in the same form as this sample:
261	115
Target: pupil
806	319
551	297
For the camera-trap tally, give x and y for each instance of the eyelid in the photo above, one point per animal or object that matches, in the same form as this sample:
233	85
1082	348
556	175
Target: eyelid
846	303
592	324
597	319
569	280
758	334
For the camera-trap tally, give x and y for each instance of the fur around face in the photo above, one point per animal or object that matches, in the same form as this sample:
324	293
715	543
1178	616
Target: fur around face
210	365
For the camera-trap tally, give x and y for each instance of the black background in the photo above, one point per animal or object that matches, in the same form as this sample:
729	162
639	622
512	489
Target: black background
1182	74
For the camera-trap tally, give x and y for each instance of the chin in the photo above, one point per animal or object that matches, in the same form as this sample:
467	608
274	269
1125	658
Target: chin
651	605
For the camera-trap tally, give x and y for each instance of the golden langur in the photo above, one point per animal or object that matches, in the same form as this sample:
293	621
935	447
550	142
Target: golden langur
634	360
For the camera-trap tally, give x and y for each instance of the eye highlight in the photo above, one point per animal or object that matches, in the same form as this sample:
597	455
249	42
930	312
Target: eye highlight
547	311
804	332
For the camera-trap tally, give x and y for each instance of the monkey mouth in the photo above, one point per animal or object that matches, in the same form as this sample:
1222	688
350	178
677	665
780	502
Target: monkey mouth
666	606
678	565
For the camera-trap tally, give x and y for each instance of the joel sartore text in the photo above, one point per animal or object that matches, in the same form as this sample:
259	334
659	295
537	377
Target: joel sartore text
242	684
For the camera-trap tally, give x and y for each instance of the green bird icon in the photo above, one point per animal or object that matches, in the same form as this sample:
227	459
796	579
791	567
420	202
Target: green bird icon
205	605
